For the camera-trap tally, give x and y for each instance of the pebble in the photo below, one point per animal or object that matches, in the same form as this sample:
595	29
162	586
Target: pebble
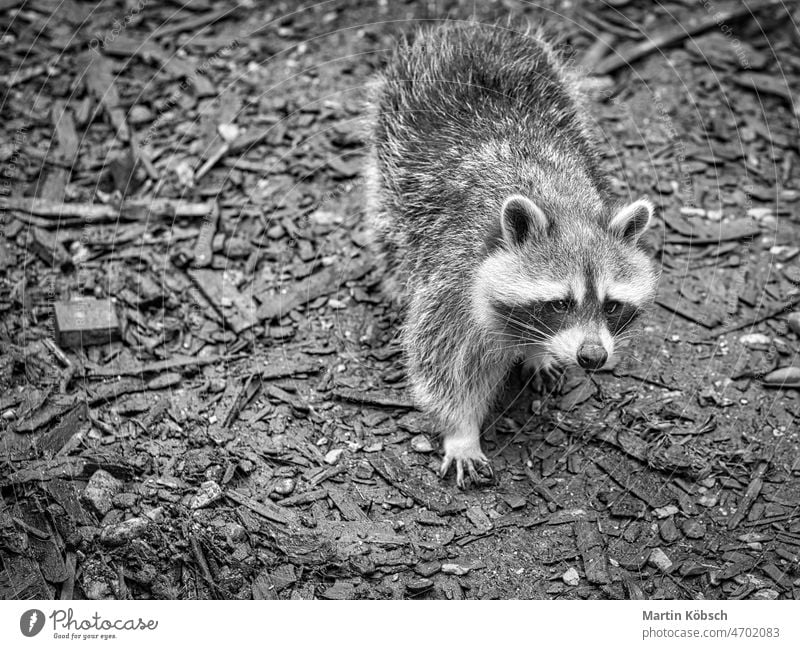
139	115
421	444
428	568
237	248
571	577
332	457
100	491
694	529
419	585
789	376
121	533
284	486
209	492
794	322
217	385
707	501
756	341
659	559
97	589
454	569
235	532
125	500
228	132
766	593
668	530
665	512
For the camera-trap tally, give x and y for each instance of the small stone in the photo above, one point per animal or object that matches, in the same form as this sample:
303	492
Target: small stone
125	500
787	376
665	512
659	559
515	501
276	231
340	590
332	457
235	532
454	569
228	132
694	529
708	500
794	322
571	577
121	533
765	593
100	490
419	585
156	514
139	115
97	589
237	248
428	568
284	486
756	341
668	530
421	444
208	493
217	385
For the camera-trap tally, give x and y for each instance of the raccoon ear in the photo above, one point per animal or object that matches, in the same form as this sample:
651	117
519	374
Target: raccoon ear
632	221
521	218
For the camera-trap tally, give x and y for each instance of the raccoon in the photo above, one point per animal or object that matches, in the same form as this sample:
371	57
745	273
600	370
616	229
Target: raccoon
497	226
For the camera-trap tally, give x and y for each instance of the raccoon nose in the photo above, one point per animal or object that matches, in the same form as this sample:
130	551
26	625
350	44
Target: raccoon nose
592	356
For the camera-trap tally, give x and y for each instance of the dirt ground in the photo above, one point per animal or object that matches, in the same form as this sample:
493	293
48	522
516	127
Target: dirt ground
235	422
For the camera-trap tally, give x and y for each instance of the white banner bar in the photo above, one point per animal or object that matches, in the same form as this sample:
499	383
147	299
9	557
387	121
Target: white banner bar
407	624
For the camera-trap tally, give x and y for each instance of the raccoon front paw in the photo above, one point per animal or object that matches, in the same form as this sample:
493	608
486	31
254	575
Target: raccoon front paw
468	458
548	379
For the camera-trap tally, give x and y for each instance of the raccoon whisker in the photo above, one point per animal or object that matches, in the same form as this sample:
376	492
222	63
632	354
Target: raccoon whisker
525	322
527	326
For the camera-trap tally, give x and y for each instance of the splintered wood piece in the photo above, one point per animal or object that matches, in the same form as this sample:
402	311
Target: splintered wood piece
81	323
590	545
48	248
274	307
640	483
267	509
99	77
382	398
402	476
692	312
671	35
64	154
128	210
238	310
753	490
203	254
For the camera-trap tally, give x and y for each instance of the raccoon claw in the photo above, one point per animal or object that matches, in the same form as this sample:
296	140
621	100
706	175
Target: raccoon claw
548	379
466	466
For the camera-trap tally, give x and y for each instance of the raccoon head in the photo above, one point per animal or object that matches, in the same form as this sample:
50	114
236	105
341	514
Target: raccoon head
565	288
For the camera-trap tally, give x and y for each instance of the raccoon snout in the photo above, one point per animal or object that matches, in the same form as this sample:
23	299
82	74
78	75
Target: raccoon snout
592	356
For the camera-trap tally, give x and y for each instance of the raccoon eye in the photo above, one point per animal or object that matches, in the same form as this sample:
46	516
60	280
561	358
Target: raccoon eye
611	307
559	306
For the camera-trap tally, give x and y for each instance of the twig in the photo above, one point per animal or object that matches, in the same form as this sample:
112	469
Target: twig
753	321
679	33
96	212
753	489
